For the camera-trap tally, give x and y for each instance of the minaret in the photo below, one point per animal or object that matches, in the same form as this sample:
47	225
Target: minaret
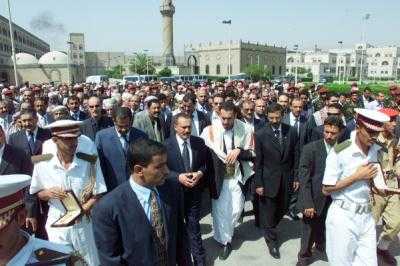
167	10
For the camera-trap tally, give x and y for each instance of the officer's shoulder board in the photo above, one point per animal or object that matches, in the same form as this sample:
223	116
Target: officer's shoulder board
91	158
46	257
342	146
41	158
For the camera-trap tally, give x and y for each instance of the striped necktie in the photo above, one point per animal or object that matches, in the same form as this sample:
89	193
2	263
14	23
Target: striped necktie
159	239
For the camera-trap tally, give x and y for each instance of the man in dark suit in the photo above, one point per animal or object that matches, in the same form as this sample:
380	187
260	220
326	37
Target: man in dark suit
312	203
199	120
150	122
31	137
13	160
276	148
73	104
97	120
247	115
112	146
151	231
187	161
202	100
298	122
40	106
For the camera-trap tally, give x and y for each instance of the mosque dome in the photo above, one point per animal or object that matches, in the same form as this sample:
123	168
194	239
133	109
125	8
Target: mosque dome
53	58
24	59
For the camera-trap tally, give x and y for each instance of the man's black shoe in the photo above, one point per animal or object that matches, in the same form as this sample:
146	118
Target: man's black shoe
293	216
273	248
386	256
225	252
303	261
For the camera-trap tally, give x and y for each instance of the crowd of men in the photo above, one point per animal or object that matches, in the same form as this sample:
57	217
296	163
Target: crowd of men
139	159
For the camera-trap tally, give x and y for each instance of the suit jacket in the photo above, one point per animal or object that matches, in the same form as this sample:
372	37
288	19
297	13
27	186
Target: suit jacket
199	158
257	123
275	163
142	121
124	235
311	173
82	116
16	161
90	126
112	156
204	121
302	134
20	140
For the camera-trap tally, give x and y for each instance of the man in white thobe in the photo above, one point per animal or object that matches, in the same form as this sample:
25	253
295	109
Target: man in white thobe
231	143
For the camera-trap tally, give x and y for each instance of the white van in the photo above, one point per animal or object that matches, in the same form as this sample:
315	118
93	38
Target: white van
97	79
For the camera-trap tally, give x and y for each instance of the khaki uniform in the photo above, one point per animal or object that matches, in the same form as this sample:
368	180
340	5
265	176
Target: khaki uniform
388	207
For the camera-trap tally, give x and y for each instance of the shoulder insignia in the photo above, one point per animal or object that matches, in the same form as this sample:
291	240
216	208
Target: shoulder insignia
342	146
87	157
41	158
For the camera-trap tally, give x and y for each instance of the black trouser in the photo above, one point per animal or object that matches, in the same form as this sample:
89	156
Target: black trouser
312	231
192	208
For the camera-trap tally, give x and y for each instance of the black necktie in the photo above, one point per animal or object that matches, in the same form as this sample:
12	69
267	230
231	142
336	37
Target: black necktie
296	124
159	239
31	141
186	156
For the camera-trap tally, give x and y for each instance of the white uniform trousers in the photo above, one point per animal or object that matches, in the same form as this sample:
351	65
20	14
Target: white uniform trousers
350	238
226	211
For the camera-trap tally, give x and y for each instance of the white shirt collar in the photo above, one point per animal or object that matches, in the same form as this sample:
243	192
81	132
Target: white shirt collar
180	140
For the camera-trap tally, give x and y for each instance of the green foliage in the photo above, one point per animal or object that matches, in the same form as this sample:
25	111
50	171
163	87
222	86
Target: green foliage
165	72
258	72
115	72
345	88
140	63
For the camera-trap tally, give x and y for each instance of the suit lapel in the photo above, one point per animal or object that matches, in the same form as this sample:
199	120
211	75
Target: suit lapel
274	140
175	146
4	161
115	141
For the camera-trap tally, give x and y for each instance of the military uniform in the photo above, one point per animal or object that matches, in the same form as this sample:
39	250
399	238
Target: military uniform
348	109
33	251
350	226
84	177
318	104
388	207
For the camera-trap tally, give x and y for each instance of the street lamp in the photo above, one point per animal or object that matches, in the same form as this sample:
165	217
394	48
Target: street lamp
229	22
340	64
12	44
68	61
296	48
363	37
147	61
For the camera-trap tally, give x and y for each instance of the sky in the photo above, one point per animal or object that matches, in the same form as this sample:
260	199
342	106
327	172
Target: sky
135	25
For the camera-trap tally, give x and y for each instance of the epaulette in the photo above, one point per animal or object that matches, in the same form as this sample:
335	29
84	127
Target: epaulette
341	146
41	158
45	257
87	157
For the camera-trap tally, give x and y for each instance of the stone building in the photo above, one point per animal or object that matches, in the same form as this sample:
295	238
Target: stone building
213	58
383	62
25	42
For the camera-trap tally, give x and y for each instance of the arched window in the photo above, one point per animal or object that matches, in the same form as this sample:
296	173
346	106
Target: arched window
218	70
377	55
290	60
207	69
385	63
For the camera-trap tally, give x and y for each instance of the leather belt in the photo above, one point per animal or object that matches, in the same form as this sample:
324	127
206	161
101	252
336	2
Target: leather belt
353	207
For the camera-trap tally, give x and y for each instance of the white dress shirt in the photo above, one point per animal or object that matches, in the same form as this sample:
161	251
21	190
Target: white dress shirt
195	124
228	138
180	143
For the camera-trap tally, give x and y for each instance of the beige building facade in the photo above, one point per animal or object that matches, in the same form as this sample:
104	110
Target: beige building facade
213	58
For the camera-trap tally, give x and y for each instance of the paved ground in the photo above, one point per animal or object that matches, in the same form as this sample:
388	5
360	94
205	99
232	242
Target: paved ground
249	248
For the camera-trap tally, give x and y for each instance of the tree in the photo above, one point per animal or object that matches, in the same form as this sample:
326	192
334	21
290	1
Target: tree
258	72
115	72
165	72
139	64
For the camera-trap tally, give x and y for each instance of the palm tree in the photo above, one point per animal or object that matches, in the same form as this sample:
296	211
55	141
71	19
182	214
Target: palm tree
141	64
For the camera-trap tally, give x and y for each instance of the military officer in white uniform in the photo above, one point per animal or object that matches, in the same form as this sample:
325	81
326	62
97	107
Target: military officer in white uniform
350	226
69	170
16	246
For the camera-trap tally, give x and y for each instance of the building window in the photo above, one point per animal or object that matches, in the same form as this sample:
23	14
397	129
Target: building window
280	70
218	70
377	55
80	47
290	60
385	63
207	69
273	70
